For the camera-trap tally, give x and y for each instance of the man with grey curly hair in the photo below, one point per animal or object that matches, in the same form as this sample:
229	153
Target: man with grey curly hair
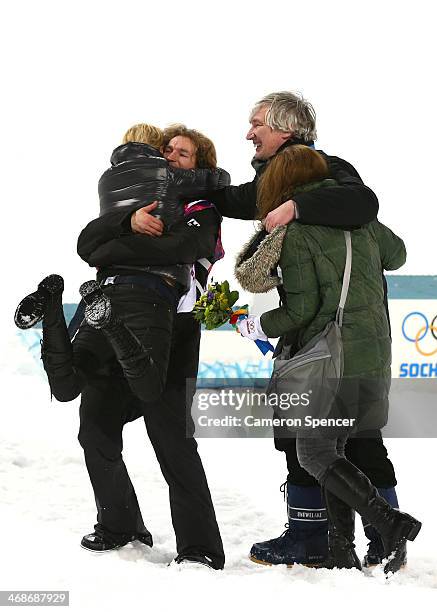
279	120
288	112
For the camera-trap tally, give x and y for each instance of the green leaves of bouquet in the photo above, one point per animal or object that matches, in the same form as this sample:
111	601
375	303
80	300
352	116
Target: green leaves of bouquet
214	307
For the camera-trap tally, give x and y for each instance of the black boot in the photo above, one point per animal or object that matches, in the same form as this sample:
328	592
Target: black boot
375	547
196	559
130	353
341	534
347	482
102	540
65	381
38	304
56	351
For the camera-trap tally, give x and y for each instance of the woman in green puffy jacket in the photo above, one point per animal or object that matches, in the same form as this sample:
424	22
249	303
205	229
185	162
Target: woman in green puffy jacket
311	262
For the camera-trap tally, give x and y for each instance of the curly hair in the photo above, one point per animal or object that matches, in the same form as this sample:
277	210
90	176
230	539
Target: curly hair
289	112
206	156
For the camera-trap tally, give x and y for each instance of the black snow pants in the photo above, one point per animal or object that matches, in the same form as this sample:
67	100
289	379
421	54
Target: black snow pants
107	405
103	412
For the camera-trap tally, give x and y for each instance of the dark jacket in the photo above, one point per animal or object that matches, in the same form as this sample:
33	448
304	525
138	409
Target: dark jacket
139	174
349	205
109	240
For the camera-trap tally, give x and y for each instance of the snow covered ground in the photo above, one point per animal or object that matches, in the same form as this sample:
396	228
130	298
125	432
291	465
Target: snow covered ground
47	505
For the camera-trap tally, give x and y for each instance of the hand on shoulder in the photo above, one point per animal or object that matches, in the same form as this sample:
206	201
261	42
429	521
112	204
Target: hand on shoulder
284	214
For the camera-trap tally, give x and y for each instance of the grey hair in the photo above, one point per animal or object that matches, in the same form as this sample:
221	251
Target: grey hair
289	112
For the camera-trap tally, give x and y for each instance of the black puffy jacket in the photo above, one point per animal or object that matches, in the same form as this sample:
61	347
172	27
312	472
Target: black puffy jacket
139	174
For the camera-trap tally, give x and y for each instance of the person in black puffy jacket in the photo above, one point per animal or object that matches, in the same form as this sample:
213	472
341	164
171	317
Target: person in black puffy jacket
139	172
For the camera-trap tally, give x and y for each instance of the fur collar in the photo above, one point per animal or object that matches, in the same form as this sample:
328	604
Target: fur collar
256	264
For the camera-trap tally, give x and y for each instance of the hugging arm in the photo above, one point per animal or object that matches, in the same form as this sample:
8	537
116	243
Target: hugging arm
188	241
350	204
101	230
236	202
198	182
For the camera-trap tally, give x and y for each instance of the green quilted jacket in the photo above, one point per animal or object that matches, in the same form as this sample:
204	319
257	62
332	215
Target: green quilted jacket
312	263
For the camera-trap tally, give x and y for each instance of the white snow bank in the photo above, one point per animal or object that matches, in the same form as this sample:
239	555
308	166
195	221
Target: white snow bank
47	505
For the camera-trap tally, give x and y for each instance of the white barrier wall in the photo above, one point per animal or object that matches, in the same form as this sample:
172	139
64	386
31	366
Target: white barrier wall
413	316
414	346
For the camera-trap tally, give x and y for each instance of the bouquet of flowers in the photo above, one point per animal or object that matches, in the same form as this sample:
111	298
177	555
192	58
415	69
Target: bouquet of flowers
214	307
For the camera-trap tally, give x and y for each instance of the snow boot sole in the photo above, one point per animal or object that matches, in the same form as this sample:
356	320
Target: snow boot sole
31	309
289	565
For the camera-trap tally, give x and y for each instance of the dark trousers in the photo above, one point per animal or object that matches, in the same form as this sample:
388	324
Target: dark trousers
107	404
366	451
143	311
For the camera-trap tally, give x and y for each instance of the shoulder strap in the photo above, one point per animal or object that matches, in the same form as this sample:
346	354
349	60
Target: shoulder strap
346	279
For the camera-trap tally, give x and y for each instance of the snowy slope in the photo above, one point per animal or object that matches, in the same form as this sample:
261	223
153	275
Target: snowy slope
47	505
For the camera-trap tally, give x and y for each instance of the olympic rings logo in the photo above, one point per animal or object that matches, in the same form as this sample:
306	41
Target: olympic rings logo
421	332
